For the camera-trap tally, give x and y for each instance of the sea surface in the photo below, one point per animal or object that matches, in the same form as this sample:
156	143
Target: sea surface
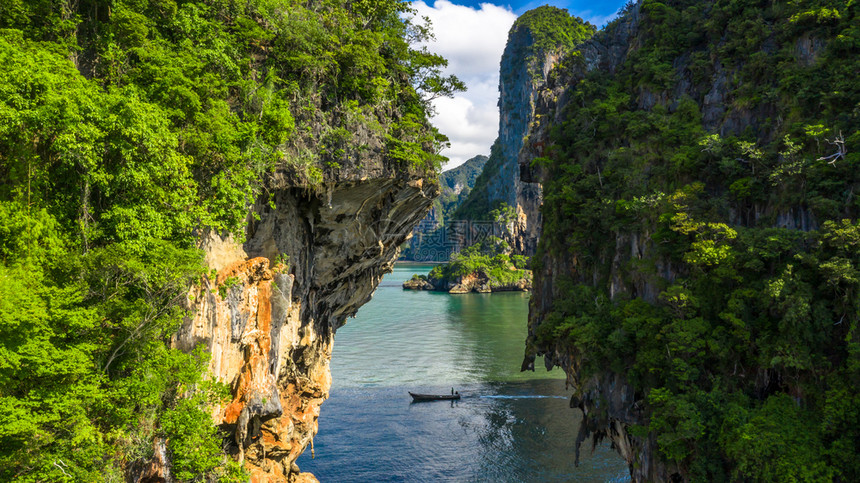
509	426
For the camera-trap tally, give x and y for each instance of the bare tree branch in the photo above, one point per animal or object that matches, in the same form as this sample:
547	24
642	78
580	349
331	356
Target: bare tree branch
841	150
61	468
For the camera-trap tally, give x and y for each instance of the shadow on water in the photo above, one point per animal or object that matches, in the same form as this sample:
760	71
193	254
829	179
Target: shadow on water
507	426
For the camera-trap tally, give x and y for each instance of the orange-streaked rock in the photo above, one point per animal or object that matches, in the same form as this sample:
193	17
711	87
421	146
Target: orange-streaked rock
269	326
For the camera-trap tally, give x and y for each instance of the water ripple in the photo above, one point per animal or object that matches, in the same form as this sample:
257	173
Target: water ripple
508	427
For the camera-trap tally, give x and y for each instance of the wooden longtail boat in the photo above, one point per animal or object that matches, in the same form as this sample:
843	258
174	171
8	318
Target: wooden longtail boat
434	397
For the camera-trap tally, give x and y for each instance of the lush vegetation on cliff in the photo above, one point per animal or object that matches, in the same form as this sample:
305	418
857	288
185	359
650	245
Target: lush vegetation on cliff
536	33
477	205
127	129
551	30
704	200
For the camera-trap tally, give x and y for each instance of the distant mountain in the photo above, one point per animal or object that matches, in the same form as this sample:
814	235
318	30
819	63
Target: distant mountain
429	239
457	183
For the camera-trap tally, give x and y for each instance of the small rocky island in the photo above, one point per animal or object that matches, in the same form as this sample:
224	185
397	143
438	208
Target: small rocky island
483	267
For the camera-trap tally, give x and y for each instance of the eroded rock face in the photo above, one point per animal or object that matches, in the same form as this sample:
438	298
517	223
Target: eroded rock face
519	85
417	284
269	317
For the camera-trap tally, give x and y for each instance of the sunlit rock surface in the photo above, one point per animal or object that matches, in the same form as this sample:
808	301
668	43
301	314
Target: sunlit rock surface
268	317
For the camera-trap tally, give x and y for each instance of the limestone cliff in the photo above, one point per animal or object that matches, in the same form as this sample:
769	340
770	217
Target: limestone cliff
616	202
536	42
609	403
269	316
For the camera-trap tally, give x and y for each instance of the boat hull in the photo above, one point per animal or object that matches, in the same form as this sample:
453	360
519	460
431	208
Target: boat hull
434	397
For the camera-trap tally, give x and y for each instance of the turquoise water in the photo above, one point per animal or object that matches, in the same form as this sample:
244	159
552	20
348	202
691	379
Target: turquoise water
508	426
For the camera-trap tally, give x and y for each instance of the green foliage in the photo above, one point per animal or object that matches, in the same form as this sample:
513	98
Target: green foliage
192	440
87	374
490	258
717	268
520	261
777	442
551	30
126	130
410	145
225	286
503	214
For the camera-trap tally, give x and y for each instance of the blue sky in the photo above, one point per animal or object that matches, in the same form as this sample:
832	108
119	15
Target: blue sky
472	36
581	8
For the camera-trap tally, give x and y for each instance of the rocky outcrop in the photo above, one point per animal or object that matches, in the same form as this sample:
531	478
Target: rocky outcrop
269	315
479	282
418	282
519	83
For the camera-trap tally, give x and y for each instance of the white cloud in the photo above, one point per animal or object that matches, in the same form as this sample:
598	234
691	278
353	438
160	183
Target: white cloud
473	41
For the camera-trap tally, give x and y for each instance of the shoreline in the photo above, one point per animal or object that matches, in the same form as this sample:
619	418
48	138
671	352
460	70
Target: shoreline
411	262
